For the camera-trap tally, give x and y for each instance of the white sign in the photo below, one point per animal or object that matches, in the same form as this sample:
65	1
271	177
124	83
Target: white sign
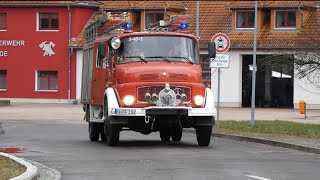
222	42
221	61
3	53
10	43
47	48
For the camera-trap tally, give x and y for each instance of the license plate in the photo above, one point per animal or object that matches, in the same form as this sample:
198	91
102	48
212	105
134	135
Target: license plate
124	111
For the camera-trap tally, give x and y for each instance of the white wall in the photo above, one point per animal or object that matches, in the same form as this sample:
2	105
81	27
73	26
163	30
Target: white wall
307	92
231	78
230	82
79	74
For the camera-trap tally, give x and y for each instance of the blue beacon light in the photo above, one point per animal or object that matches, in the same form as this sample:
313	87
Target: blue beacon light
183	26
128	26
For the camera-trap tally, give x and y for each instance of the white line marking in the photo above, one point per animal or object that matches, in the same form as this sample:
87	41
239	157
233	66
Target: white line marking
257	177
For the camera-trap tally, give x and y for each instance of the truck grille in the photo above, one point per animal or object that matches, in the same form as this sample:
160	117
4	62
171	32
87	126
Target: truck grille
156	89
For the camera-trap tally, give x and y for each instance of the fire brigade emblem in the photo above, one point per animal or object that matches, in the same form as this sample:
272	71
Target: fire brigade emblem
47	48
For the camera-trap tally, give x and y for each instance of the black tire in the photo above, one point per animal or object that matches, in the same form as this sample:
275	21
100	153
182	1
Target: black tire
87	112
103	135
113	134
165	134
176	134
204	135
94	131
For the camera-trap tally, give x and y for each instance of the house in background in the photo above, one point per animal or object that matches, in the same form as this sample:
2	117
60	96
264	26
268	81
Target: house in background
35	61
284	27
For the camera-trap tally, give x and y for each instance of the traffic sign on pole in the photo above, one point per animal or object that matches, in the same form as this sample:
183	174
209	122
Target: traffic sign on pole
222	42
221	61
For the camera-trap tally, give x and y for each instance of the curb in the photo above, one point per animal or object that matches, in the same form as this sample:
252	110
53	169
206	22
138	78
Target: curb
263	141
31	172
46	173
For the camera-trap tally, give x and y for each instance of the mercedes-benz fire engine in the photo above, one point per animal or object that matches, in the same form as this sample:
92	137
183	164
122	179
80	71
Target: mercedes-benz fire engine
144	81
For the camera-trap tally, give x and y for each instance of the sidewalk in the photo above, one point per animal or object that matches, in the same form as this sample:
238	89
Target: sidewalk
70	113
313	116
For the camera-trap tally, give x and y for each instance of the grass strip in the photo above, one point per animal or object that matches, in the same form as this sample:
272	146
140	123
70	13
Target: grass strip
271	127
10	168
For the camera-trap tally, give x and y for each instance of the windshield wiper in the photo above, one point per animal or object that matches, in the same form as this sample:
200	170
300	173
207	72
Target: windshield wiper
163	57
180	57
142	59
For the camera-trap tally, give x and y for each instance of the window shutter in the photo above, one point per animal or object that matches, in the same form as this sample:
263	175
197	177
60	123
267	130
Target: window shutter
3	21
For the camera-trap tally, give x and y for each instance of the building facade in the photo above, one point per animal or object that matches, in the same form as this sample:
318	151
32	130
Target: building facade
35	61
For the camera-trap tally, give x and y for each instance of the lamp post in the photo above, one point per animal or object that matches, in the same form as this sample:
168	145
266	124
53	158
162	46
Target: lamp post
253	94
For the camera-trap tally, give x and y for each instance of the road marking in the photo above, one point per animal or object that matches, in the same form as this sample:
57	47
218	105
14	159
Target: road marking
257	177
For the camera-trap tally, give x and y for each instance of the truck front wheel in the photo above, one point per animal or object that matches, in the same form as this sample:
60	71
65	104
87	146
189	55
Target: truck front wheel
176	133
204	135
113	134
94	131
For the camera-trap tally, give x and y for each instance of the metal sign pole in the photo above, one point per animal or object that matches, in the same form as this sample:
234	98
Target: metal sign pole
253	94
218	103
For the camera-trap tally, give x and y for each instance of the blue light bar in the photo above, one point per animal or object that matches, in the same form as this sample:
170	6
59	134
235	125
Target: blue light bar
128	26
183	26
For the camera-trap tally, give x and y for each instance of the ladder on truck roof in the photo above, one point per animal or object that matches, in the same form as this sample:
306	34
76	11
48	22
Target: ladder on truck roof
105	24
171	24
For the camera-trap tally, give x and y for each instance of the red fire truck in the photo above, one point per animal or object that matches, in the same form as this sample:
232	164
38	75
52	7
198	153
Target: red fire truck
144	81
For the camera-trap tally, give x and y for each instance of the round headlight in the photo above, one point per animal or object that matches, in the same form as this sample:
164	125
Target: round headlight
115	43
128	100
198	100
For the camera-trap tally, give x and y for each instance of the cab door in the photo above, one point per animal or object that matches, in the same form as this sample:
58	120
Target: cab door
100	72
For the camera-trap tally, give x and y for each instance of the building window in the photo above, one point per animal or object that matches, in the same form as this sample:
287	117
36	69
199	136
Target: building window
153	17
3	79
48	21
285	19
47	80
245	19
3	21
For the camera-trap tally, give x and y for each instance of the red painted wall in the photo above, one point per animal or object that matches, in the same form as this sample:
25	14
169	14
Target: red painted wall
22	62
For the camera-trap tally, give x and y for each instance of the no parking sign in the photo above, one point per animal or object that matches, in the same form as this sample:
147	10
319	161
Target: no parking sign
222	42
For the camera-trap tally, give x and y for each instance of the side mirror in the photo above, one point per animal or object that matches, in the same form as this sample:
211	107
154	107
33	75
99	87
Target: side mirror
211	50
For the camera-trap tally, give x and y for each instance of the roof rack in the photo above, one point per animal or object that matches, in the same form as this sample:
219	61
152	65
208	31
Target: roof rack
105	24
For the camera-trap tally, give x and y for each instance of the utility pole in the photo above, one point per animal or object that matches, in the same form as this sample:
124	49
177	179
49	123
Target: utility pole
253	94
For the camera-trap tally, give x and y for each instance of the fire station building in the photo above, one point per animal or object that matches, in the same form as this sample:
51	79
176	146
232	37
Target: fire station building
41	46
36	64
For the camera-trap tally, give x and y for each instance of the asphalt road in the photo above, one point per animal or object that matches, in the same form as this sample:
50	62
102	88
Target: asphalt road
66	147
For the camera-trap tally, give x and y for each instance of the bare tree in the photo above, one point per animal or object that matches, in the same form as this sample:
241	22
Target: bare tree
307	68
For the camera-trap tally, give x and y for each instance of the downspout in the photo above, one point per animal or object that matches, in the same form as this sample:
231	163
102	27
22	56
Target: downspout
70	50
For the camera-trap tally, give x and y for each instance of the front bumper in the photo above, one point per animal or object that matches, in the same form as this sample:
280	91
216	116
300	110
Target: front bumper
155	110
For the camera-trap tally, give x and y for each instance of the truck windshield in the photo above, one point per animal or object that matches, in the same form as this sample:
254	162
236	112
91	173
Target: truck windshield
158	48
